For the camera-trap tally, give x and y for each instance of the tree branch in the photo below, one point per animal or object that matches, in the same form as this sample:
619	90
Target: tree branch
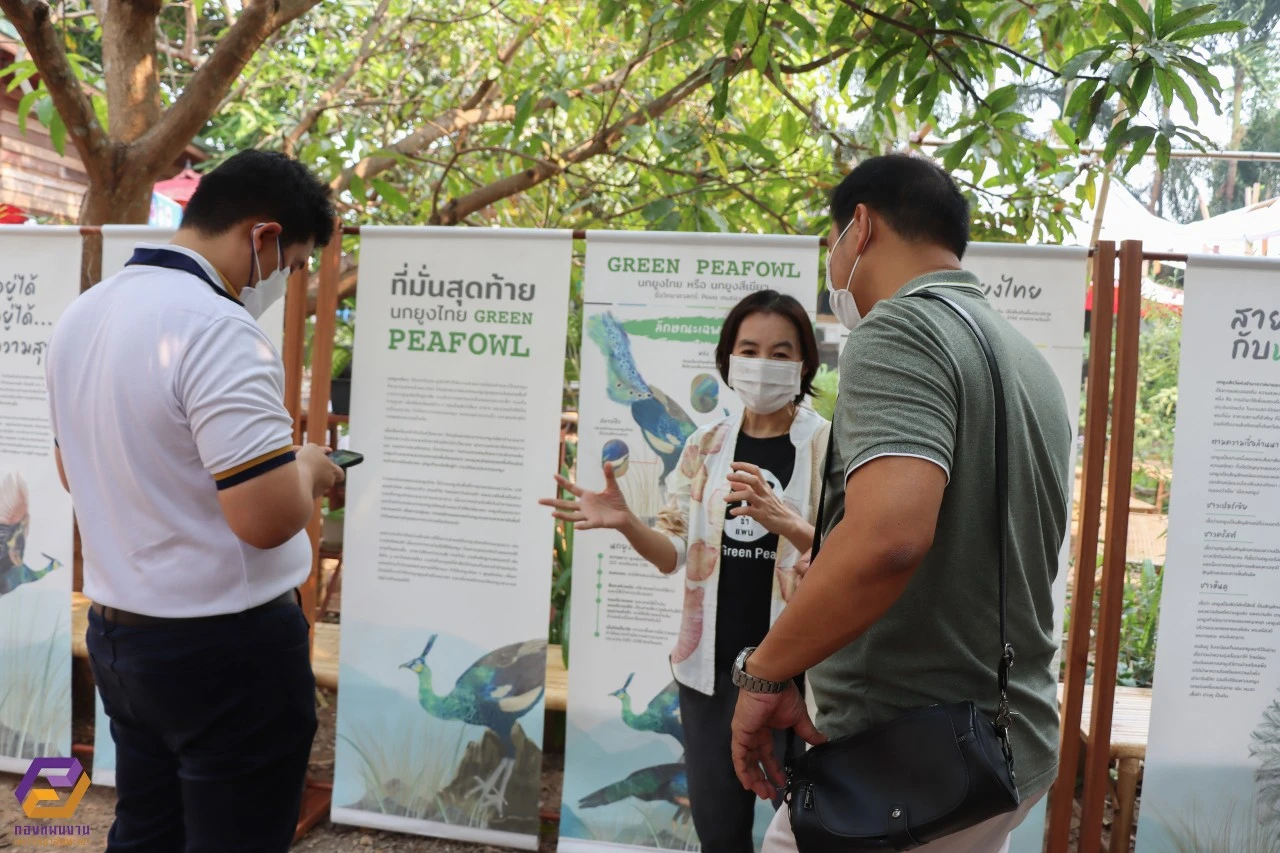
322	103
462	118
257	22
34	24
598	144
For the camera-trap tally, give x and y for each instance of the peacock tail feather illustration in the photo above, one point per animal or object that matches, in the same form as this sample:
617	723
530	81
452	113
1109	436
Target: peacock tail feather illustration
626	385
661	783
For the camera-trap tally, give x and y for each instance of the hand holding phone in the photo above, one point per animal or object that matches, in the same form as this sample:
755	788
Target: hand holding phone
345	459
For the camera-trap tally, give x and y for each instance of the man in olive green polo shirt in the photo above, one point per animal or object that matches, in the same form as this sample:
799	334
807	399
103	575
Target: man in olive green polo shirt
901	608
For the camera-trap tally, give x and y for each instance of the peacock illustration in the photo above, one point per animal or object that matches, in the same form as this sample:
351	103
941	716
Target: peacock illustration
662	715
495	692
1265	749
663	423
663	783
15	522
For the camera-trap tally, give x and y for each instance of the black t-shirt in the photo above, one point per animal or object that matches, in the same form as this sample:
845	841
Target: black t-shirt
748	554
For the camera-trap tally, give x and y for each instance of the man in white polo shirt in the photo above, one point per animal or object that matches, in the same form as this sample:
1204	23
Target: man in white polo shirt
173	439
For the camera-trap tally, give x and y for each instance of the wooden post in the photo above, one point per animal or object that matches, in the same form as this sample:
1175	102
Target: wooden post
321	374
316	797
295	333
1119	487
1062	797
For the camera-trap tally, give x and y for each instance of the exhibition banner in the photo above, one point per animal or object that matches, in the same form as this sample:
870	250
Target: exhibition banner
459	365
39	279
1212	778
655	303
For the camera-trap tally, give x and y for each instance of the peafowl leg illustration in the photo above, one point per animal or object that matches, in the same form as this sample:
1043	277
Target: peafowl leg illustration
493	790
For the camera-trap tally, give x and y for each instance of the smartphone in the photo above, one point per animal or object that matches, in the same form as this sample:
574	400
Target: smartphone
345	459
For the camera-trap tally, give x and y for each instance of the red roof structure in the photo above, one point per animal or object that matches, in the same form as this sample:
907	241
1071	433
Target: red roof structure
180	187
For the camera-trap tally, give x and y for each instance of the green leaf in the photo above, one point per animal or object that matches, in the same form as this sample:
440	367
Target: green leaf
914	89
717	218
760	53
562	99
1185	17
1003	98
1163	8
1065	133
1141	86
1185	95
1121	20
884	58
1079	98
100	109
1139	16
1215	28
884	93
752	144
1140	146
358	190
1120	73
45	110
524	109
656	211
20	77
1165	85
1091	191
1090	115
846	71
841	23
1073	66
734	27
1163	149
24	107
713	152
931	91
390	195
751	24
801	23
720	103
955	152
693	16
58	134
915	62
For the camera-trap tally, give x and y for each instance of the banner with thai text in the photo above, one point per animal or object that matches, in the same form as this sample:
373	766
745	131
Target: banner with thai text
39	278
1212	778
457	391
655	303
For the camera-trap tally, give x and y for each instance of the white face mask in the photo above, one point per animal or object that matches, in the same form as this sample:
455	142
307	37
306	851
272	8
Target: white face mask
843	305
268	291
765	385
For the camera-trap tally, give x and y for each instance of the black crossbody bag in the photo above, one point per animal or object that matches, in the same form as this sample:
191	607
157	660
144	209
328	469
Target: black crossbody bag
931	772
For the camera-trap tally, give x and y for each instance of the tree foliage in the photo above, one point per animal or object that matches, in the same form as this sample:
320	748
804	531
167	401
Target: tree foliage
702	114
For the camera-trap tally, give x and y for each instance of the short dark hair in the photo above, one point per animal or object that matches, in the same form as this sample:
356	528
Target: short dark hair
772	302
267	186
914	196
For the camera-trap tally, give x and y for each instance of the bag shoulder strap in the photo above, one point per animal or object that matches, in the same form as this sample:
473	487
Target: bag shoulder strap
1003	715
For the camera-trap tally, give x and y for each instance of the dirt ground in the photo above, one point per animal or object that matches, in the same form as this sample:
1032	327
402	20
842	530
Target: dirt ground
98	807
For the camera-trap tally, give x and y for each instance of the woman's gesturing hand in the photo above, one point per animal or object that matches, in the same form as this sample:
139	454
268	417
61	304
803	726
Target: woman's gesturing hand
591	510
746	483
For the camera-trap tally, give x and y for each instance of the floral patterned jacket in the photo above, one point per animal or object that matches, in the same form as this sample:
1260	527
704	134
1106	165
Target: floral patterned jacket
693	519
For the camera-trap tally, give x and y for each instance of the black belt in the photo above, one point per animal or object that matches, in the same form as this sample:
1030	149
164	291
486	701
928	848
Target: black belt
139	620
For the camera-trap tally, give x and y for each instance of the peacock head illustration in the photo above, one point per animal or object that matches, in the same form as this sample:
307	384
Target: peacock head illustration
419	663
15	520
621	692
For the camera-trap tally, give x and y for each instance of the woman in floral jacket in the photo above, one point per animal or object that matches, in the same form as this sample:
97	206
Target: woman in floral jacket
739	517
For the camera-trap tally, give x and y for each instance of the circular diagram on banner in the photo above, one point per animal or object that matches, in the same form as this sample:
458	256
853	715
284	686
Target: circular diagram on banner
704	393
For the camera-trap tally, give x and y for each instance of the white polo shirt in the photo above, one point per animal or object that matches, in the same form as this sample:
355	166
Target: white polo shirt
163	390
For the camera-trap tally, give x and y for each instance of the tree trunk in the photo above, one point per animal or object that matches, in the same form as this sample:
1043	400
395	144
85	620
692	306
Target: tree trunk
132	74
123	197
1237	133
1157	185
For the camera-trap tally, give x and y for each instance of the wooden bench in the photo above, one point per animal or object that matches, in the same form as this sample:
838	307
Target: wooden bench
1130	726
324	655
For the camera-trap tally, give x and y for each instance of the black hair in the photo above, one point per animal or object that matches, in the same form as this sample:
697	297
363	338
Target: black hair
266	186
771	302
914	196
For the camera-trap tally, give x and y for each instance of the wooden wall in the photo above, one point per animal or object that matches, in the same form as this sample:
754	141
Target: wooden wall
33	176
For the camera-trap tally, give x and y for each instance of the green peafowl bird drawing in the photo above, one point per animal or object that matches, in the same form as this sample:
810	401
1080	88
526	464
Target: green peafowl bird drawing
663	423
15	523
663	783
662	715
1265	749
495	692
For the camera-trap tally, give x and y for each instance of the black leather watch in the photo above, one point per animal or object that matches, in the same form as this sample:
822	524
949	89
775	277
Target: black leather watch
750	683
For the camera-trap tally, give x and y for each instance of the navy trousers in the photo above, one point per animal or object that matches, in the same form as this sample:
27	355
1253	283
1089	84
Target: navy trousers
213	721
